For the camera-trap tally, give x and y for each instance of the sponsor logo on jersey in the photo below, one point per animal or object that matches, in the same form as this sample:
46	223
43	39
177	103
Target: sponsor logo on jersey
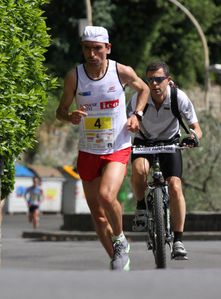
89	107
109	104
111	89
85	93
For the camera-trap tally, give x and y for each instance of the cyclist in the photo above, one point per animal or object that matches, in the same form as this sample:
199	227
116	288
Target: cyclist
158	124
104	147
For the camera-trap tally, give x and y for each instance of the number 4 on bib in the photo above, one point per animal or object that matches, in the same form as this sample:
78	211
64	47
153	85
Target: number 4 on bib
101	123
98	123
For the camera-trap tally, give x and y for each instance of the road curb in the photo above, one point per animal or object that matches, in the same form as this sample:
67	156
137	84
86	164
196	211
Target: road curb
91	236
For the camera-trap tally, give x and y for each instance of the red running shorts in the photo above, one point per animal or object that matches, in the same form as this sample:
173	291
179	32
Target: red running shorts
90	166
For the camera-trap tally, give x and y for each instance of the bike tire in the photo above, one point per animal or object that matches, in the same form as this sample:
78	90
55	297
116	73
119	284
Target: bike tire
159	248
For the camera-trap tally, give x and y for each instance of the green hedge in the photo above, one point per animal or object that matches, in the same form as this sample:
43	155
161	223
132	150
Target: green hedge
24	83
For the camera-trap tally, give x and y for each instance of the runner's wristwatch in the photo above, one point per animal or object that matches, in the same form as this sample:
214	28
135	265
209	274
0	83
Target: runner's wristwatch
139	115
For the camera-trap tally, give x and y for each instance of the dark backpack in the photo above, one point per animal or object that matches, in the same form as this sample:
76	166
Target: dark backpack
174	108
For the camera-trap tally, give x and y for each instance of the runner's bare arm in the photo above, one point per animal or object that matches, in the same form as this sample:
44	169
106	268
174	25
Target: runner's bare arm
129	77
67	99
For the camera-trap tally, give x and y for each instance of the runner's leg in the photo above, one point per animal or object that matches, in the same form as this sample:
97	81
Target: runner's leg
111	181
102	226
35	218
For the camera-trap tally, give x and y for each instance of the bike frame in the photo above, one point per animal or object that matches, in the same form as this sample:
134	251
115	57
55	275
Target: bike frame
159	231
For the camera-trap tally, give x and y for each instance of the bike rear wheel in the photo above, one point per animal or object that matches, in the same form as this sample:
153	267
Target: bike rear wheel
159	242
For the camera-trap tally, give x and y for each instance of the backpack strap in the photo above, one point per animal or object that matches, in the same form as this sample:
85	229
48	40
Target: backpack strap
145	108
175	111
174	108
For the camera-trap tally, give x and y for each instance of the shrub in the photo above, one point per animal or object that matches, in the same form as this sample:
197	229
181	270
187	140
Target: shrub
24	82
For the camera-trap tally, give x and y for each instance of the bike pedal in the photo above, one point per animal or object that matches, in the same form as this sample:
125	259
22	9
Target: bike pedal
149	246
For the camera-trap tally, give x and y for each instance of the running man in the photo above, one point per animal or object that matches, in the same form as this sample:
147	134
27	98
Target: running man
98	88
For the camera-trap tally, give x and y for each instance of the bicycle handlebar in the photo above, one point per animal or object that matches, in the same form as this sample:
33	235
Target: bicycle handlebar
157	149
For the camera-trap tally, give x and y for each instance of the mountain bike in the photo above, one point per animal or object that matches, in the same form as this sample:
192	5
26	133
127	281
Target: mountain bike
159	231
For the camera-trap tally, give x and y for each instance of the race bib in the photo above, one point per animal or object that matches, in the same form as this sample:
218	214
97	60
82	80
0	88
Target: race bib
98	123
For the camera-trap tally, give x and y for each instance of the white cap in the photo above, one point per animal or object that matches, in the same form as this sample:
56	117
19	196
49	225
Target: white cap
95	34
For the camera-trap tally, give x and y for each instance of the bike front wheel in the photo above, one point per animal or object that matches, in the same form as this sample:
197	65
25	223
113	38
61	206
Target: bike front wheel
159	246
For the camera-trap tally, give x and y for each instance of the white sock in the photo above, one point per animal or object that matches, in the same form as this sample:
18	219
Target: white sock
120	238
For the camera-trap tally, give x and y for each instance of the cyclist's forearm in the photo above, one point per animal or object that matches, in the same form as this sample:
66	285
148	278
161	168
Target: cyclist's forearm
197	129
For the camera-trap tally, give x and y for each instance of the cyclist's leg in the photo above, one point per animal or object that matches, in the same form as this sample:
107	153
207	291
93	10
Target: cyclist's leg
172	170
140	169
177	203
178	214
171	165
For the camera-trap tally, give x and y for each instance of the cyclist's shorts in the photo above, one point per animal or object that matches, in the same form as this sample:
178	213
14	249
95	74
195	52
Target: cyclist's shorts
171	164
90	165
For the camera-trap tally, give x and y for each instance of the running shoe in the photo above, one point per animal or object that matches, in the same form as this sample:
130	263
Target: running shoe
140	221
121	260
179	252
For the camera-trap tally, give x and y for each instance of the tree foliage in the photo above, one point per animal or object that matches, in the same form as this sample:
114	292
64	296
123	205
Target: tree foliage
23	79
201	171
140	31
202	168
62	19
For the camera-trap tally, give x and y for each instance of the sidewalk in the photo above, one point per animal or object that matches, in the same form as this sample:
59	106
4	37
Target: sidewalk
51	224
42	235
80	228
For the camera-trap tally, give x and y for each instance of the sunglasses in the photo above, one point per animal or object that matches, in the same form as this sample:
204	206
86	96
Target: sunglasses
155	79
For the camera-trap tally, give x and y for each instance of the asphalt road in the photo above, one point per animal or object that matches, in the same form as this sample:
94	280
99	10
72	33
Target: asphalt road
34	269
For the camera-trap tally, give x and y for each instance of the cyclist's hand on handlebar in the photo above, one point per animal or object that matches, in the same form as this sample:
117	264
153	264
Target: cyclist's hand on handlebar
192	140
189	142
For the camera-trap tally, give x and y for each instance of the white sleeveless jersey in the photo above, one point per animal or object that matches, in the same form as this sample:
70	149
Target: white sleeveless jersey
104	130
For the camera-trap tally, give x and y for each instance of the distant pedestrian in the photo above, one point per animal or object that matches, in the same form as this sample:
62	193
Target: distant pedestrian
34	197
